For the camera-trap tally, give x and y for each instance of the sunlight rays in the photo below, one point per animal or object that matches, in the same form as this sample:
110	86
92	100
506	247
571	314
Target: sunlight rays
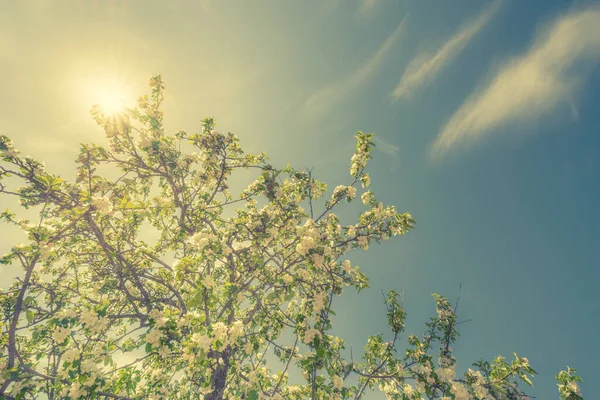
110	94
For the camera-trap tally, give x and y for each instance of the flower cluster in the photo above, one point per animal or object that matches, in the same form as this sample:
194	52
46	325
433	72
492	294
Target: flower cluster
93	322
102	205
200	240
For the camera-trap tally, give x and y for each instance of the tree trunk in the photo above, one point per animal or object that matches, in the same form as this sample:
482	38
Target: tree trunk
219	379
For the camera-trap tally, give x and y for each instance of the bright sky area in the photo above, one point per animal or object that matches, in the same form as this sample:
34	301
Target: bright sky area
485	114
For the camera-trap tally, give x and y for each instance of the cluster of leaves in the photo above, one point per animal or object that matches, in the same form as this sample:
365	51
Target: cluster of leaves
140	283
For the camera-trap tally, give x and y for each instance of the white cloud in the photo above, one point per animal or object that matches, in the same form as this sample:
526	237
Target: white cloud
367	6
385	147
425	67
390	150
532	84
323	100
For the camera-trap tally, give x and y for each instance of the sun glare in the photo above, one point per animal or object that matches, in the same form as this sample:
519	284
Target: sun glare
113	98
111	92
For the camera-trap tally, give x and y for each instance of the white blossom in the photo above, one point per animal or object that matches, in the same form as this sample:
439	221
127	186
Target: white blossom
337	382
351	192
76	391
236	330
88	366
70	355
460	391
366	180
347	266
310	335
305	245
153	337
103	205
208	282
203	341
445	374
200	240
219	330
363	242
319	301
158	317
60	334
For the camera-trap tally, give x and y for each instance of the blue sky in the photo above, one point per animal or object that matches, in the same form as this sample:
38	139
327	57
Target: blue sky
485	115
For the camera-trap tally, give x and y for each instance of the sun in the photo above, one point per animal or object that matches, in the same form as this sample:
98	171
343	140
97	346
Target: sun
112	97
93	85
114	93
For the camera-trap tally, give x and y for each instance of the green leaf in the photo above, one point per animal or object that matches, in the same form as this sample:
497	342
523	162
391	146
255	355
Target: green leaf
29	314
252	395
44	180
272	296
526	380
320	352
197	299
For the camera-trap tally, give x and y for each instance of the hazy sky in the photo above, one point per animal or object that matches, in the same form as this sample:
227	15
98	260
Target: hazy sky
485	113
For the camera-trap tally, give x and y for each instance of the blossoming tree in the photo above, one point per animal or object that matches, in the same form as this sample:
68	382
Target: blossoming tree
226	302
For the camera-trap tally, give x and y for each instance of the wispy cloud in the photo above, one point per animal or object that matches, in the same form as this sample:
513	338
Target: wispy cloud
390	150
425	67
385	147
323	100
366	6
532	84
